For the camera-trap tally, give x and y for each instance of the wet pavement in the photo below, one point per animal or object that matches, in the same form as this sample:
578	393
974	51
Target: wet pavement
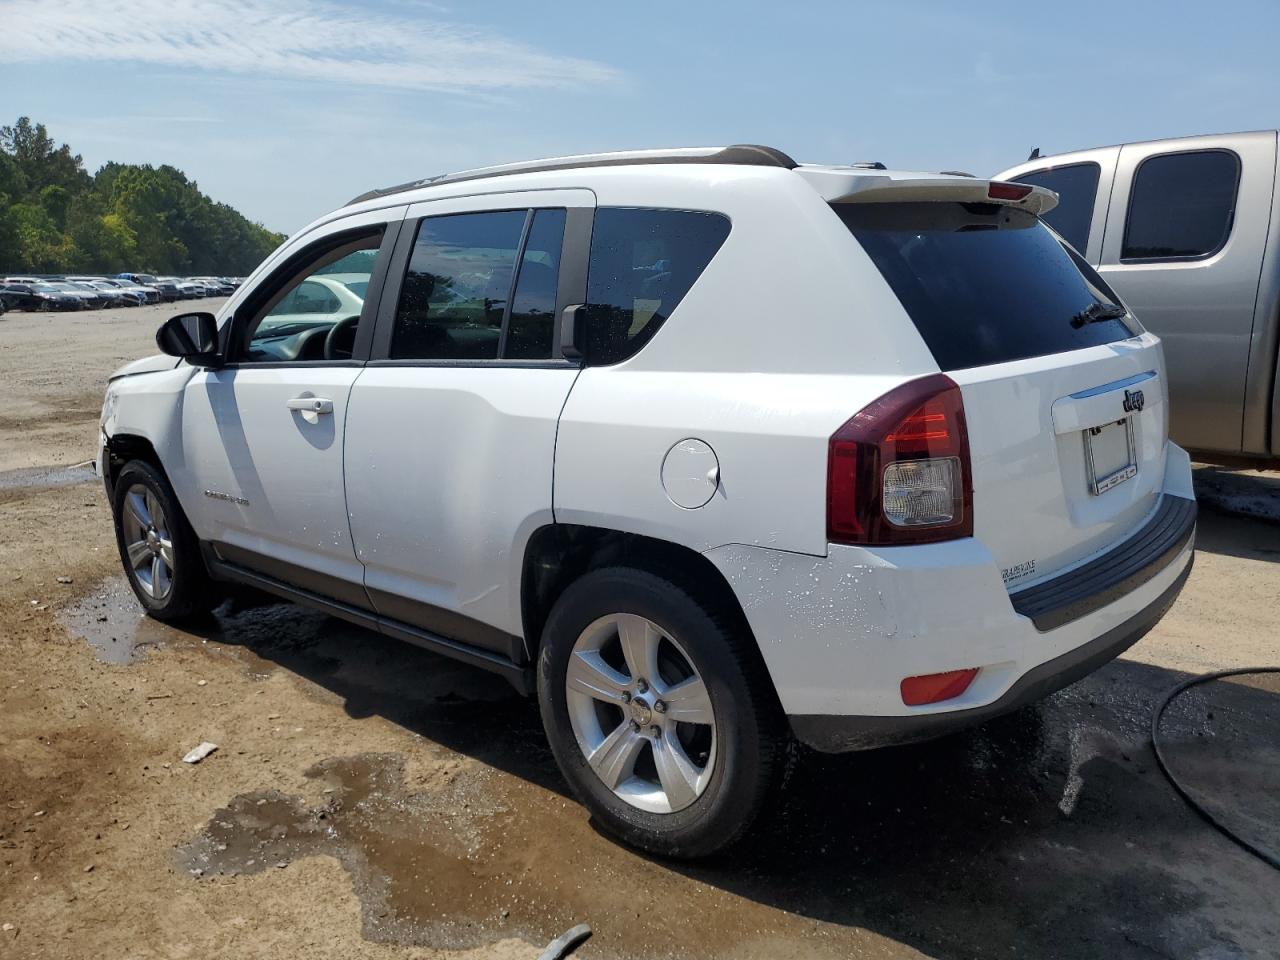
26	478
1047	833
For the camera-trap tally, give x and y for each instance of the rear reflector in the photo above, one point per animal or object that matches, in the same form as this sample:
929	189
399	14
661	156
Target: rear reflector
936	687
998	190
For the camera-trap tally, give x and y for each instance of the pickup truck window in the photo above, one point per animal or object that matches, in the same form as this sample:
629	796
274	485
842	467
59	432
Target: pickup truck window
1077	187
1181	205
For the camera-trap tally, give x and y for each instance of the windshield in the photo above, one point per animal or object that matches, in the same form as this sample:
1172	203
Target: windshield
53	285
985	283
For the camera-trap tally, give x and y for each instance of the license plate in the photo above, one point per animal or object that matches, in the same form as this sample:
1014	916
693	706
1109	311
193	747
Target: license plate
1109	455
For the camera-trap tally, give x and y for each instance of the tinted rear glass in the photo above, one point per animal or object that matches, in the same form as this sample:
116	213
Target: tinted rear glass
1182	205
983	283
1077	188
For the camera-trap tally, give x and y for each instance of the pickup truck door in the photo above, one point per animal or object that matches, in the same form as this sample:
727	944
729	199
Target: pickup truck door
1184	242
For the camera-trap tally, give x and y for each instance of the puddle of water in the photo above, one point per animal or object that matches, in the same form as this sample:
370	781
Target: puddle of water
45	477
1222	742
420	861
1244	493
112	622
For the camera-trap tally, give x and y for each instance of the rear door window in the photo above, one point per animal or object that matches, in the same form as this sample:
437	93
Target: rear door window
1181	205
1077	188
983	283
642	264
455	292
531	330
481	286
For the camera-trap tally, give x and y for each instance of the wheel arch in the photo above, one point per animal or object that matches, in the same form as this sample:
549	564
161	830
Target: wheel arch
123	447
557	554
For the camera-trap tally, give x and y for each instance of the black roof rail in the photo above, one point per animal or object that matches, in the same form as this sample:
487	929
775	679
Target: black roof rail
741	154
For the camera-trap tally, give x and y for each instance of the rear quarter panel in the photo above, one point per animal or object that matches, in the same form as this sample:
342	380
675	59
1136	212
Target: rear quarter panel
789	332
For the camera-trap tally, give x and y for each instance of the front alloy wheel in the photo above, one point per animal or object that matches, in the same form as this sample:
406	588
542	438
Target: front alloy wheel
147	541
158	548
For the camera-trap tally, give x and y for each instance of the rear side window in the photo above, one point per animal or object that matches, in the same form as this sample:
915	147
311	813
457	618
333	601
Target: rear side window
642	264
983	283
455	292
1181	206
1077	187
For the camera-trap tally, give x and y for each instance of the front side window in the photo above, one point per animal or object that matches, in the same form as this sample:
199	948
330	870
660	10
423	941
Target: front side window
1181	206
1077	187
642	264
314	311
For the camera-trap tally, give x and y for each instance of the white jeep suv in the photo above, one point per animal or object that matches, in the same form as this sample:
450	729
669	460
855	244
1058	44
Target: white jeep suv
708	449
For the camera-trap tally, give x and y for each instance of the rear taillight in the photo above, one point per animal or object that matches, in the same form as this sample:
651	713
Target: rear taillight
898	471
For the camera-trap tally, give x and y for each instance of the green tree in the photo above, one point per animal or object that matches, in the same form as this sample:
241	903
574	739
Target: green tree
40	161
55	217
44	248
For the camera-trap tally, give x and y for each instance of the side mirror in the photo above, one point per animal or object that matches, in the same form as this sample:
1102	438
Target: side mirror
191	336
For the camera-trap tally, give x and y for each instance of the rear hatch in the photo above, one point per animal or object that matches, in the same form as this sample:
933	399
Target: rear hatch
1063	394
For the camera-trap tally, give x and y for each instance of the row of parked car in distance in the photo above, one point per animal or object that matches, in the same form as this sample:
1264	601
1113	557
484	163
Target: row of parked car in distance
94	293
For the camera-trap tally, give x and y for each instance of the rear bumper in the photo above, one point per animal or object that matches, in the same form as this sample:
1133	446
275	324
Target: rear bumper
840	633
837	734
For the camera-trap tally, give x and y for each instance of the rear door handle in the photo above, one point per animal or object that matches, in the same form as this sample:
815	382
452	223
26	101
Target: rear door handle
313	405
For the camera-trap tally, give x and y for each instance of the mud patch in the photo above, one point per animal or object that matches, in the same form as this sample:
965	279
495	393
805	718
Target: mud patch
418	860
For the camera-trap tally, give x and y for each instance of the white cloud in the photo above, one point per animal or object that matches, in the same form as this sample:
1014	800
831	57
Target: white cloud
295	39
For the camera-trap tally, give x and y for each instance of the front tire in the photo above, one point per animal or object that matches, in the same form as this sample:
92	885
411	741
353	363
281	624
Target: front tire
659	713
158	548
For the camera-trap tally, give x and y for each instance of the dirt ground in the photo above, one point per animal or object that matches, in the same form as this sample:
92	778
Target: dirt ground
369	799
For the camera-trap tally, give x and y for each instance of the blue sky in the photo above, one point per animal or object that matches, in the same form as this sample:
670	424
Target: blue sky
287	108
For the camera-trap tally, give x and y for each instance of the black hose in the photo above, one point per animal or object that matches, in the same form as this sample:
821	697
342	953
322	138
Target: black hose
1266	856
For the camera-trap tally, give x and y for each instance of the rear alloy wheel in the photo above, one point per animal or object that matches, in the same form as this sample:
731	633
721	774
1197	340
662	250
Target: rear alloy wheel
158	548
641	713
659	712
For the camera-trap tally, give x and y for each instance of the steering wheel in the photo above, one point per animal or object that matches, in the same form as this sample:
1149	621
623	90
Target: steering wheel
340	341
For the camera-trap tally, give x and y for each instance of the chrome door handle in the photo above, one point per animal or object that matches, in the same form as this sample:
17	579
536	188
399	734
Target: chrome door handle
316	405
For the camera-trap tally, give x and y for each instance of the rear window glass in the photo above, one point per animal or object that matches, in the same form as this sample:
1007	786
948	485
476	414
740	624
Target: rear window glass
1077	188
1182	205
642	264
983	283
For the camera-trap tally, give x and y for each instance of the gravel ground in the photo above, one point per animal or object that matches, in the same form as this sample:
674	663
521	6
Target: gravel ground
368	799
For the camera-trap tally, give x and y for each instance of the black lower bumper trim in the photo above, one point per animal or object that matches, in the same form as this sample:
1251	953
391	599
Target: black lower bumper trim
838	734
1122	570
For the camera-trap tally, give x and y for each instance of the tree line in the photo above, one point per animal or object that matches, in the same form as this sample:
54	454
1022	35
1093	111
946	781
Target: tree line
55	217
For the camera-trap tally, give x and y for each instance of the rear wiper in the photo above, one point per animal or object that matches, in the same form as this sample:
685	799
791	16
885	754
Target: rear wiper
1097	312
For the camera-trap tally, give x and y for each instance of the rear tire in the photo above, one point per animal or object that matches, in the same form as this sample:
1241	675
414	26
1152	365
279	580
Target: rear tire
683	758
158	549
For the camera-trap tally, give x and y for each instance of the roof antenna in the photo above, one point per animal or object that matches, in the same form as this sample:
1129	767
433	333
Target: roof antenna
1035	154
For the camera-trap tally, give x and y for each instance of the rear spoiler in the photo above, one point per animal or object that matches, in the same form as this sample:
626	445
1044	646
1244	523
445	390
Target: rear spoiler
852	185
